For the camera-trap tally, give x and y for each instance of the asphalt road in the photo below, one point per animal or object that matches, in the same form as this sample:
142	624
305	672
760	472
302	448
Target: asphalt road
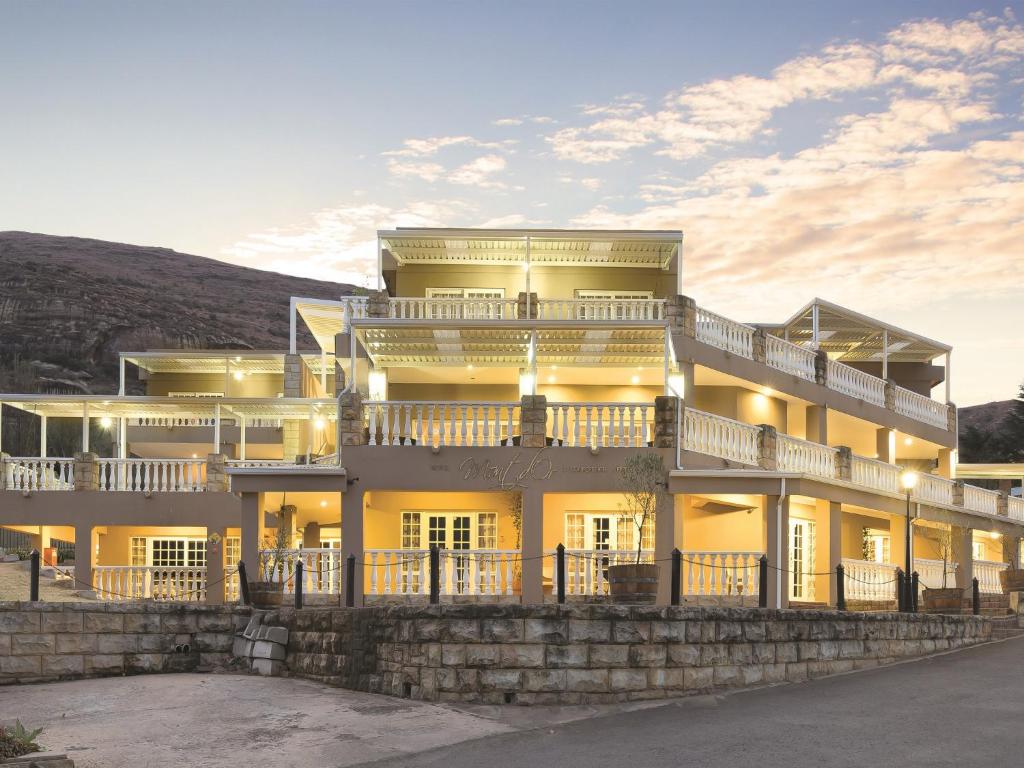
961	709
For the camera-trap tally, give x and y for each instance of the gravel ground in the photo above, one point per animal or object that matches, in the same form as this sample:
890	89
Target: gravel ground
14	585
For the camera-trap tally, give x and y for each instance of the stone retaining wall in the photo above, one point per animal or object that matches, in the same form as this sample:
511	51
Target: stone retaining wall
61	641
596	653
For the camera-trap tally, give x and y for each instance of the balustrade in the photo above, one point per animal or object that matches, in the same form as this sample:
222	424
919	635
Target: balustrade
723	333
868	580
26	473
794	455
152	475
791	358
874	474
626	425
621	310
981	499
404	308
921	408
489	572
987	573
718	436
148	582
322	569
855	383
720	573
440	423
586	570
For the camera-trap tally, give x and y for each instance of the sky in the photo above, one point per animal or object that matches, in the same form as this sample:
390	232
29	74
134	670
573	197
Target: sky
868	153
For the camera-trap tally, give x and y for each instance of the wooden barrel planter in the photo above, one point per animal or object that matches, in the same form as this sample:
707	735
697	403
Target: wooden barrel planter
633	583
948	600
266	594
1012	580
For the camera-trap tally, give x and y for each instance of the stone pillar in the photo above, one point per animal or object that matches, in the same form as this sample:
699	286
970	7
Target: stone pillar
533	421
84	557
293	365
533	547
3	466
352	540
339	378
890	394
821	368
958	493
1003	505
291	432
885	445
311	536
963	555
252	534
215	582
844	463
817	424
767	440
835	545
286	520
350	418
216	474
378	304
776	546
681	314
952	423
668	534
87	476
522	312
666	413
947	463
759	346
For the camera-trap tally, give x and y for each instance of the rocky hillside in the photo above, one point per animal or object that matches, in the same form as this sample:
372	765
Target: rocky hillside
68	305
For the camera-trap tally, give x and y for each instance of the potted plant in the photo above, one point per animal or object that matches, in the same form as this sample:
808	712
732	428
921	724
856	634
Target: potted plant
1012	578
275	557
515	511
945	599
643	480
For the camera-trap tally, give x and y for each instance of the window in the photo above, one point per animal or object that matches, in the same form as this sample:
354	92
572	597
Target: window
610	305
487	530
177	553
138	550
979	550
486	307
877	548
801	559
410	530
232	550
574	535
604	531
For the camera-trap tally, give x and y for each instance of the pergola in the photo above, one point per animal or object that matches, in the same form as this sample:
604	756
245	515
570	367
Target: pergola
849	336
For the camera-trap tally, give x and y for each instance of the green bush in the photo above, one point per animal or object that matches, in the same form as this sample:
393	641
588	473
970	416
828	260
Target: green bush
17	740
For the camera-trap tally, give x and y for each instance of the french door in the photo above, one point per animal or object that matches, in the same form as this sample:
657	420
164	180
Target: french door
801	559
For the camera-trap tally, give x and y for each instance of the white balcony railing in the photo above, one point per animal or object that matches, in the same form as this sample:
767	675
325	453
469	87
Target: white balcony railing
934	489
394	422
1015	507
855	383
598	425
253	463
789	357
874	474
921	408
720	573
929	573
795	455
27	473
724	333
148	582
987	573
322	570
868	580
718	436
406	308
586	570
353	308
617	310
489	572
981	499
152	475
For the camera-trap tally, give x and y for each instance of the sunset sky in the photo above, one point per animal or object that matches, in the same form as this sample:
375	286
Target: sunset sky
869	153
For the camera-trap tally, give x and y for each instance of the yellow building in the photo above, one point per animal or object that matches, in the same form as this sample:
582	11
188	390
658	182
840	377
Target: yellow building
484	399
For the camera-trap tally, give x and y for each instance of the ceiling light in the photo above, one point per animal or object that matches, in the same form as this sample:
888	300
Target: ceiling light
195	455
551	379
470	366
106	422
323	502
239	375
908	441
320	423
635	380
238	358
767	392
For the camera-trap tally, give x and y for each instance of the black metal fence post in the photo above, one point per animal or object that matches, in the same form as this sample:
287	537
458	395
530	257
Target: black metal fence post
560	571
901	591
435	574
677	574
243	584
350	582
762	582
975	597
298	583
33	587
840	588
914	584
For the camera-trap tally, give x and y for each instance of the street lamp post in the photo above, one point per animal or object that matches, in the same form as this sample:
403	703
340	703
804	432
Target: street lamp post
908	480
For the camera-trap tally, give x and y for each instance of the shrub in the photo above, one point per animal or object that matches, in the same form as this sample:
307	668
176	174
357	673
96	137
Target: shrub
17	740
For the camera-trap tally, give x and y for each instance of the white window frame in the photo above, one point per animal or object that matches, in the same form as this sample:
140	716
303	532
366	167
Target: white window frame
801	583
597	312
618	538
420	519
881	545
187	549
466	313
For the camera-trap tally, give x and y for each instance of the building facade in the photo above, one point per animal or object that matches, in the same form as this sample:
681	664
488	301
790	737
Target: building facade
484	398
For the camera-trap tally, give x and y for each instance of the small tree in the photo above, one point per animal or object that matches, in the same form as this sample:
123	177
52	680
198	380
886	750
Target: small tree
644	484
1011	551
944	538
515	511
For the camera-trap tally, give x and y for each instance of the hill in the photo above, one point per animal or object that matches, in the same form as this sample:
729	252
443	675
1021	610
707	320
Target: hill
68	305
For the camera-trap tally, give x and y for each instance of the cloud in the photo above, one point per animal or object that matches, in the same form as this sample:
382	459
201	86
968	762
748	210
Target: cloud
478	172
431	146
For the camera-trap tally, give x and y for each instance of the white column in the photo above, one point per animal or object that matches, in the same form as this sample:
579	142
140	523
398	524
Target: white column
122	438
216	428
241	446
227	377
528	276
291	326
668	350
85	427
120	389
949	360
814	325
42	435
533	358
679	269
380	265
350	385
885	353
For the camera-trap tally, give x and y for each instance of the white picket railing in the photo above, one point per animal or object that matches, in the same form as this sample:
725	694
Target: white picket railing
184	475
586	570
418	308
921	408
626	425
624	310
855	383
322	570
1015	508
791	358
28	473
173	421
875	474
490	572
868	580
987	573
720	573
250	463
795	455
929	573
353	308
981	499
724	333
934	489
718	436
392	422
149	582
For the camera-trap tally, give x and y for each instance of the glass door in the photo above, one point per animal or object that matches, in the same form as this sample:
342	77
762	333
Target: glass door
801	559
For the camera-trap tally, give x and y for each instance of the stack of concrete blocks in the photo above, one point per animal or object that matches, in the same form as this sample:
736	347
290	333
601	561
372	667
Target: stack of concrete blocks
262	647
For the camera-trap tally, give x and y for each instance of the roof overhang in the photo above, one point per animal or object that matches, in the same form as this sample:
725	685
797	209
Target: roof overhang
990	471
223	362
145	407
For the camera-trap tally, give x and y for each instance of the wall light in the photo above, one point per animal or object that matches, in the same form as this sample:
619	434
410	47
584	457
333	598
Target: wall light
377	384
677	384
320	424
323	502
551	379
634	380
908	441
527	384
106	422
239	375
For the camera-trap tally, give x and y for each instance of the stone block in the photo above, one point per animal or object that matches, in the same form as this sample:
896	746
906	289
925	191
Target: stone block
32	644
20	665
787	652
274	634
609	655
714	654
104	664
741	653
522	655
63	664
501	679
240	648
631	631
142	622
683	654
265	649
461	631
20	621
143	662
647	655
547	630
538	680
76	643
574	655
212	622
63	621
103	622
586	680
727	675
627	679
213	642
665	678
583	631
481	655
797	672
252	626
668	631
178	622
453	654
268	667
108	644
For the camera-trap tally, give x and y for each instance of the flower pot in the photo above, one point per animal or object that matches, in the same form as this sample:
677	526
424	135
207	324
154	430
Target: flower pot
633	583
947	600
1012	580
266	594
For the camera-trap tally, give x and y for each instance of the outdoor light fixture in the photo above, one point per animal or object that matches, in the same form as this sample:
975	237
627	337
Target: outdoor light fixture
239	375
526	383
319	423
634	380
908	441
908	480
106	422
551	379
377	384
677	384
323	503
